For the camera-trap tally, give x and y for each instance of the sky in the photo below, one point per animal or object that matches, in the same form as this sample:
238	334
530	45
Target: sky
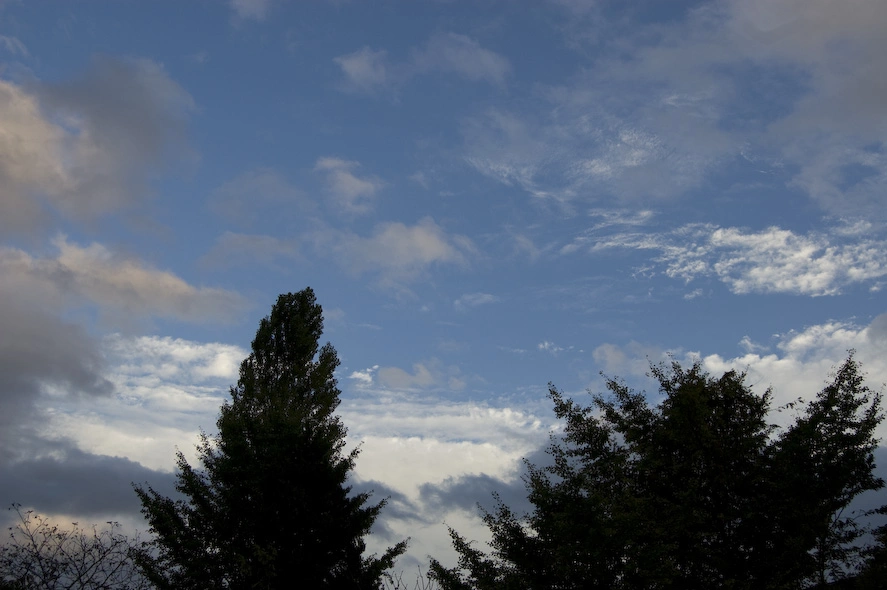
486	196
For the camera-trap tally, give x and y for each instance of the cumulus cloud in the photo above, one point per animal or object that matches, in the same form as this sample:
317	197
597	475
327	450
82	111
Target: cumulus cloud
350	193
396	252
87	146
115	283
365	377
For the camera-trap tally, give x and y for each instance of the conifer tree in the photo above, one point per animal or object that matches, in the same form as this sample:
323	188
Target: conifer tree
697	492
270	506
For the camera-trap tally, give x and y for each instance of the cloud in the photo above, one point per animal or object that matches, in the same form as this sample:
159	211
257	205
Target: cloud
246	198
365	70
396	378
547	346
789	89
13	46
87	147
235	249
40	353
251	9
116	284
461	55
350	193
470	300
365	377
396	252
799	366
77	483
773	260
370	71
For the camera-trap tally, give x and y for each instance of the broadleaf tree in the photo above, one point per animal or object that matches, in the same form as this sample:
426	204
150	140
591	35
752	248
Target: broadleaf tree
699	491
270	505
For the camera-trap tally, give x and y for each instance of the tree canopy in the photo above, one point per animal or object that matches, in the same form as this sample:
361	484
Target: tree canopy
699	491
270	504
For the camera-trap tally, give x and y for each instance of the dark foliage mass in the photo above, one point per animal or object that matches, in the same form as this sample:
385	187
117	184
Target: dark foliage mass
270	504
697	492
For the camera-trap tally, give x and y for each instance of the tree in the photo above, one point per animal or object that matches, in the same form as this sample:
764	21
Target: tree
40	555
697	492
270	505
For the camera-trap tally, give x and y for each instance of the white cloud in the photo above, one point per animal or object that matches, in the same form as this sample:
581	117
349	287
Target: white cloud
773	260
365	70
800	367
364	378
396	252
351	194
551	347
470	300
166	390
116	284
251	9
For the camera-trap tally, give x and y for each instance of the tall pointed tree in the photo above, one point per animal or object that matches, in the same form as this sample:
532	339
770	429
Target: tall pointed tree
270	504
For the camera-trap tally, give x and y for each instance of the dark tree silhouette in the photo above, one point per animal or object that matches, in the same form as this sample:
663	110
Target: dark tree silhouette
697	492
40	555
270	506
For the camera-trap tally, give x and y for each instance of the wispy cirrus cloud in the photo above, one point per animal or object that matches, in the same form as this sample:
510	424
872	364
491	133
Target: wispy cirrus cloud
470	300
789	88
370	71
256	10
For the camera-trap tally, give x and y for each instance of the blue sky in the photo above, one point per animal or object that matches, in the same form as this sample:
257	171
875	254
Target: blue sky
486	196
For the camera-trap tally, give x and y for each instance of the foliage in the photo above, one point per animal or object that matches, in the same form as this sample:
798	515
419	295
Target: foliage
270	504
40	555
697	492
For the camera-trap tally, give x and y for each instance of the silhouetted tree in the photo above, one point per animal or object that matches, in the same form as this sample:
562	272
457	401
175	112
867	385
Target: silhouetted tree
697	492
270	506
39	555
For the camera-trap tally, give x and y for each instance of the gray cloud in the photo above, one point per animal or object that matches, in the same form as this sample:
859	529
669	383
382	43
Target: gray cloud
118	285
88	146
251	196
396	252
370	71
70	481
39	354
